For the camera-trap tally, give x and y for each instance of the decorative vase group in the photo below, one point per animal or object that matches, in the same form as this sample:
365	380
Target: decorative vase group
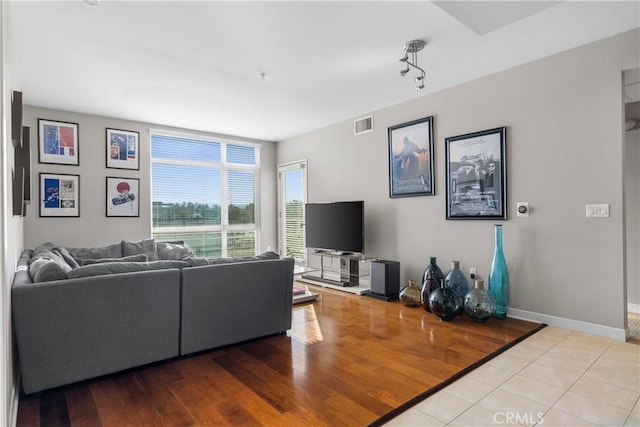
450	295
499	276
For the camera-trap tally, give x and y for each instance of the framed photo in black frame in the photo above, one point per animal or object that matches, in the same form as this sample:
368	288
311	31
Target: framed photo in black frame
59	195
122	197
123	149
476	175
58	142
411	158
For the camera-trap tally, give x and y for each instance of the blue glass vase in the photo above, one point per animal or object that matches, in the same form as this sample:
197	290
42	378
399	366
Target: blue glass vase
434	271
445	303
499	277
479	304
431	279
457	282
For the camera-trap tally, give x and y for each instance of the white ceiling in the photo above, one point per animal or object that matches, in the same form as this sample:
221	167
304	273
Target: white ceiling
198	65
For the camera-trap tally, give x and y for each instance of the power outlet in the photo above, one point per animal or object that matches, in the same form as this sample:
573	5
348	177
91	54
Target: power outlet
473	272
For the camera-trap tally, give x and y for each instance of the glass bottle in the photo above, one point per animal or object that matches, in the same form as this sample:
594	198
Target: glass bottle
478	303
430	281
457	281
410	295
434	270
499	276
445	303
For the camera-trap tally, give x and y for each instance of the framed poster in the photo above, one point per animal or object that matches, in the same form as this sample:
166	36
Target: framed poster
123	149
59	195
411	158
476	175
122	197
58	142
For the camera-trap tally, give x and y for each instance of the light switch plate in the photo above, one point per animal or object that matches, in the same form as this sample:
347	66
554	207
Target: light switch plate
597	211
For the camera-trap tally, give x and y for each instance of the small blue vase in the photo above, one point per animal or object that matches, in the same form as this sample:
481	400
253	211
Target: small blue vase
499	277
457	281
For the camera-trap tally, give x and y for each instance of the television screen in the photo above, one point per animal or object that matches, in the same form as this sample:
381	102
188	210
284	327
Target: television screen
337	226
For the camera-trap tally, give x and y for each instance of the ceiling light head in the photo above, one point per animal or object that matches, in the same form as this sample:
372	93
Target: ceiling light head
405	59
420	87
418	79
404	72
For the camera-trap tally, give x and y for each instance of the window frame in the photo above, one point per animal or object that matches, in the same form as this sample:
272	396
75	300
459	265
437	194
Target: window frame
224	228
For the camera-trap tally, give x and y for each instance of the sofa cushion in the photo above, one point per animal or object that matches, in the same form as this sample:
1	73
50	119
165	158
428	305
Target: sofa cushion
67	256
168	250
122	267
195	261
262	256
111	251
130	258
48	266
147	247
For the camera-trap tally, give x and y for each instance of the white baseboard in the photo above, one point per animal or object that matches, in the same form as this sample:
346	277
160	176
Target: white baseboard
574	325
13	410
633	308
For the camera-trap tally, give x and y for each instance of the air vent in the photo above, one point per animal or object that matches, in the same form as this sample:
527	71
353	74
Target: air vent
363	125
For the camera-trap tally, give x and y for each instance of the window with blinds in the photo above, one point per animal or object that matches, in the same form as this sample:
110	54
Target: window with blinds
204	193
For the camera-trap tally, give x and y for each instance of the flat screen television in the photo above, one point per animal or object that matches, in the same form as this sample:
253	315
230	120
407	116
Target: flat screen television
336	226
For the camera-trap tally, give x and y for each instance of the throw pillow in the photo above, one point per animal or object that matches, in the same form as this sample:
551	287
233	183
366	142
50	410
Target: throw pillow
130	258
122	267
168	250
147	247
110	251
47	268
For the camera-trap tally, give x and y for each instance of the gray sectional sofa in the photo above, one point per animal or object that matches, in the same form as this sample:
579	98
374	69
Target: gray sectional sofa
101	310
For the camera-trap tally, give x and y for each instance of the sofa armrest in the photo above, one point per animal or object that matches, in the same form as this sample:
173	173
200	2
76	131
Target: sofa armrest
74	329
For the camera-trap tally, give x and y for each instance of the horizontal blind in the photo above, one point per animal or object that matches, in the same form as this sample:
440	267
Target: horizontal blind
199	186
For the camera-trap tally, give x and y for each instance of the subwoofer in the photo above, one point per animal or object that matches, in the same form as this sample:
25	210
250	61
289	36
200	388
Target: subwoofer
385	278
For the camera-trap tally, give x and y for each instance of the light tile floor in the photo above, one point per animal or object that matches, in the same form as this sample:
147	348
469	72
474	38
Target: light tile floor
556	377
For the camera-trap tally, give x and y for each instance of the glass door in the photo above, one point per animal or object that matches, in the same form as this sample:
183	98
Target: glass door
292	195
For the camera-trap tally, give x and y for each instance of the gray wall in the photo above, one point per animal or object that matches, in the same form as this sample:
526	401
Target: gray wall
632	192
93	228
564	116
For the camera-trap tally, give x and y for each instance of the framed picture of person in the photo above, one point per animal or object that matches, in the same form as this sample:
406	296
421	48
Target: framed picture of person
58	142
59	195
123	149
122	197
411	159
476	175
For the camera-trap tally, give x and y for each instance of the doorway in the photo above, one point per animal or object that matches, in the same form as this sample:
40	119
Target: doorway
292	196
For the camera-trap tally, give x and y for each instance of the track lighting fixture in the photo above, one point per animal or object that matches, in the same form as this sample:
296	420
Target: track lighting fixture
412	48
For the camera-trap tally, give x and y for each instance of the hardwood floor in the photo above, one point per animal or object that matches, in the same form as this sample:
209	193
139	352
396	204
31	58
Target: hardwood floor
347	361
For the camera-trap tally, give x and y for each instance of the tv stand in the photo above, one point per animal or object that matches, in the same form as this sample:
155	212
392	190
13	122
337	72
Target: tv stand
344	271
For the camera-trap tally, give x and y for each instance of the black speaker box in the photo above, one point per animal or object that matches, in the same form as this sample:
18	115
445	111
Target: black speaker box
385	278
